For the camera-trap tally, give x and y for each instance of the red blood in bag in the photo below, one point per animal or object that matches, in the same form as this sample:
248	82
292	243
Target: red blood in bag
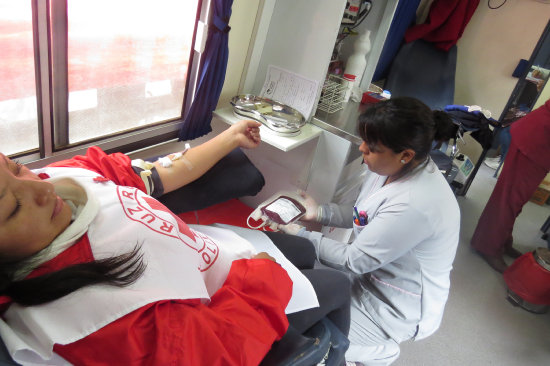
283	212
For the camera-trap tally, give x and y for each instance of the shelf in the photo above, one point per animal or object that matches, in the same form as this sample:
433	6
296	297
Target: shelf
308	132
342	123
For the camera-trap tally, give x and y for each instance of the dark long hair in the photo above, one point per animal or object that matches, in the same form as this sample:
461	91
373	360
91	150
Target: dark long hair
404	123
121	270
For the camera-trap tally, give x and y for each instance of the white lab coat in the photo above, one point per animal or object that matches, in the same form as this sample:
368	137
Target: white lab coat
401	259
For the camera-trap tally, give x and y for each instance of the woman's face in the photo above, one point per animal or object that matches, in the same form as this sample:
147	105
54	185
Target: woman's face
382	160
31	214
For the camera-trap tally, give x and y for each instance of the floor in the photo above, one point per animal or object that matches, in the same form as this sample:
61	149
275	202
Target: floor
480	327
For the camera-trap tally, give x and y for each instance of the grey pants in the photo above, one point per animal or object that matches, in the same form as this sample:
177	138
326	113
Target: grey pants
369	344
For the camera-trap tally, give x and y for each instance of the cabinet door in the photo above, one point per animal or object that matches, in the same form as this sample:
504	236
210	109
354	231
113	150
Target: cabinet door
296	35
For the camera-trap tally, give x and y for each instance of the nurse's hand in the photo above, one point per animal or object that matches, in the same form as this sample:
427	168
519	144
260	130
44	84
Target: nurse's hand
312	207
291	229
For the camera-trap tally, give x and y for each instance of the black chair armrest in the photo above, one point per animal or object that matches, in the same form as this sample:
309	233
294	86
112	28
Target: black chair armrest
234	176
296	349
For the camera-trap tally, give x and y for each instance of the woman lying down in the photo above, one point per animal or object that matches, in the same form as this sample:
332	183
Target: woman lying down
96	271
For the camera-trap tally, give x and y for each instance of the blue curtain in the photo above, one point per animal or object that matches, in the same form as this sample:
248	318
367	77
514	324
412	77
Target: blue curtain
404	16
211	74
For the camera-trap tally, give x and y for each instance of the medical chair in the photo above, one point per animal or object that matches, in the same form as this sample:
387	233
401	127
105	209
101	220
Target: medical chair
294	349
232	177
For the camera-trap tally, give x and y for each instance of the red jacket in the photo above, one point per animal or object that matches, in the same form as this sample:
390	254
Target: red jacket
238	326
446	23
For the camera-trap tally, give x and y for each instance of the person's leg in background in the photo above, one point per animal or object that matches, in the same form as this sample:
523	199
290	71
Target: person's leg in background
516	184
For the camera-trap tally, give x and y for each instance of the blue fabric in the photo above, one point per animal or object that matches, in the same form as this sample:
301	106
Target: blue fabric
423	71
478	116
405	14
473	121
211	74
521	68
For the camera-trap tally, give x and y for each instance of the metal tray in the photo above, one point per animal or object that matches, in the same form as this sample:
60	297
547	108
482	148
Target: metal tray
278	117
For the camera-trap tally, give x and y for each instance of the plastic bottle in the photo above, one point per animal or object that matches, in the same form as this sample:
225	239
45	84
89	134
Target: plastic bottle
386	94
349	82
357	61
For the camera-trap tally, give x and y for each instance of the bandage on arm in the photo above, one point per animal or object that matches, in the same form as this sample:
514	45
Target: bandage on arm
149	174
195	162
167	161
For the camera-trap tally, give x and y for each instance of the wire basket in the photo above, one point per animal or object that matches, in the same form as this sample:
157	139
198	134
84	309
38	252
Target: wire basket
332	94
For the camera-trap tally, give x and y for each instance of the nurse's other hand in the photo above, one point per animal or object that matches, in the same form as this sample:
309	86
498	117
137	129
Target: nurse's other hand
264	255
291	229
312	207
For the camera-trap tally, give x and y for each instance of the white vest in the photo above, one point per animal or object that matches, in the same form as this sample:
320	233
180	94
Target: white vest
182	263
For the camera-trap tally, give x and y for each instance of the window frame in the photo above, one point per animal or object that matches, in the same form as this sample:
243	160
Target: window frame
52	91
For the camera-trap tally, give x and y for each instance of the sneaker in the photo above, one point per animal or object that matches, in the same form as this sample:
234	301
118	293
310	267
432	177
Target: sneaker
492	163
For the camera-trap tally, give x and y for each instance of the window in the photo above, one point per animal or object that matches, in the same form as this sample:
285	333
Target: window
18	106
103	69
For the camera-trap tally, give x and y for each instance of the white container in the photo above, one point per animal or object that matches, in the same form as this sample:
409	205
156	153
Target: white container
357	61
465	167
349	82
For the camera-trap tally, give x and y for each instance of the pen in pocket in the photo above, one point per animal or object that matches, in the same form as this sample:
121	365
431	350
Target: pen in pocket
362	218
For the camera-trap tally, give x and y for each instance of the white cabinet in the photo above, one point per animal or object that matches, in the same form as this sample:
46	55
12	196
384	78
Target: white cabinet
299	36
296	35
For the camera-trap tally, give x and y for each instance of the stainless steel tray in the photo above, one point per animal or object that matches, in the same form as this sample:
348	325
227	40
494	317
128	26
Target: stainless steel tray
278	117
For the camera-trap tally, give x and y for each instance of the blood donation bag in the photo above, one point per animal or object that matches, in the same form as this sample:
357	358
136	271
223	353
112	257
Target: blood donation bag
281	209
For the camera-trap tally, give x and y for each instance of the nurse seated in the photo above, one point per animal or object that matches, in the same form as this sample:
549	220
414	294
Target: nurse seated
405	232
94	270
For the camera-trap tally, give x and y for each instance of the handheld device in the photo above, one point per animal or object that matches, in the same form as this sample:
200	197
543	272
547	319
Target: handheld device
280	209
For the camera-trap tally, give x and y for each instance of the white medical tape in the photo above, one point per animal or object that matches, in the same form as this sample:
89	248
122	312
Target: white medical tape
145	165
187	163
149	183
166	161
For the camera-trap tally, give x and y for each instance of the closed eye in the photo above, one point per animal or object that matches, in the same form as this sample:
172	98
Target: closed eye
16	208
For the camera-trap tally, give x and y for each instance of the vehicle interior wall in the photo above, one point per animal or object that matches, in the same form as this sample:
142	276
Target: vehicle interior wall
488	51
492	45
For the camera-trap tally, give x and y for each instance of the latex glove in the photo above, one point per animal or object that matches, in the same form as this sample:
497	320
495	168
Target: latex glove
312	207
291	229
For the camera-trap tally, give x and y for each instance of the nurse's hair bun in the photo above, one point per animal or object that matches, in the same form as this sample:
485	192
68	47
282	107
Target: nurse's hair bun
445	129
